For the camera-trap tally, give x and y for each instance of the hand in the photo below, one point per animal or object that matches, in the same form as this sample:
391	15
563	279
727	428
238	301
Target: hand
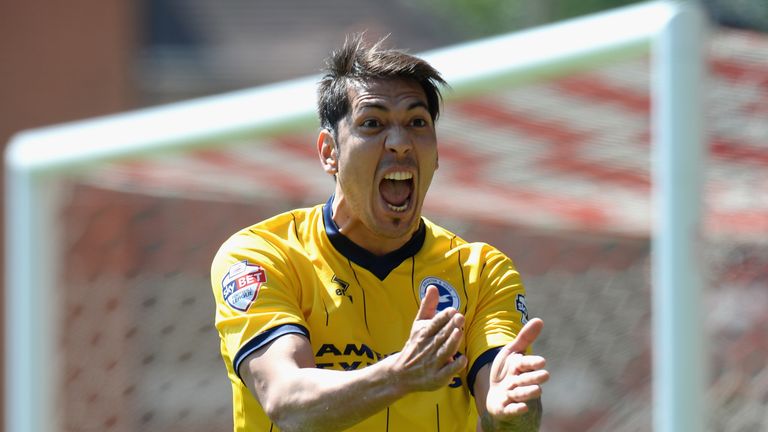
516	378
427	361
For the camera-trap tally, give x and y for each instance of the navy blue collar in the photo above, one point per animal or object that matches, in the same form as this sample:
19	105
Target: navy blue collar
379	265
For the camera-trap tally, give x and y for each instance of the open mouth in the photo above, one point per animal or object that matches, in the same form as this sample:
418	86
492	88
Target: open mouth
396	189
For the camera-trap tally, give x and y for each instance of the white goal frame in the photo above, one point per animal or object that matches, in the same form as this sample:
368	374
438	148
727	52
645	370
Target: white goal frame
673	31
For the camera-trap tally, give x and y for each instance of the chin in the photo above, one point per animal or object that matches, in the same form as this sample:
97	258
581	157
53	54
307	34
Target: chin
397	227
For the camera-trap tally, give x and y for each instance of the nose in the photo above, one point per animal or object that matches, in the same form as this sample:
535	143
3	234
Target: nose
398	141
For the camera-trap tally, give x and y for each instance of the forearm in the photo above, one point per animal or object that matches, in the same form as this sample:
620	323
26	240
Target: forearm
309	399
298	396
527	422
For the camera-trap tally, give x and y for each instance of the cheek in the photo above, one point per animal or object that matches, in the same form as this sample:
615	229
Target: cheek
430	156
428	172
361	161
354	174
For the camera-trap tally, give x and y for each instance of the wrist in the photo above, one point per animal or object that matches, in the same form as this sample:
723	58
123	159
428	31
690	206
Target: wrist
529	421
392	376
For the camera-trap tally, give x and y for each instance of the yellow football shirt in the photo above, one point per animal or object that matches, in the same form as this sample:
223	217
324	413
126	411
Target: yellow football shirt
296	273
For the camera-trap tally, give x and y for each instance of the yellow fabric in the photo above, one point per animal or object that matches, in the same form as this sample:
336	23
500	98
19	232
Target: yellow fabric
353	318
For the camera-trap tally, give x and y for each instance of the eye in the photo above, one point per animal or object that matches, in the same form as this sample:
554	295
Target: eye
419	122
370	123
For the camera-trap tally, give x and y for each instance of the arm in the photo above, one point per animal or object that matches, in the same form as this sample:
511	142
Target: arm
508	391
298	396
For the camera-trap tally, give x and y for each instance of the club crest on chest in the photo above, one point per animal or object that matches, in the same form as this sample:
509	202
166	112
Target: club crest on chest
448	295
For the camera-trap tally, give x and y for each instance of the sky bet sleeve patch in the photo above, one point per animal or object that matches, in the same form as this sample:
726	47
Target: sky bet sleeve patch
241	284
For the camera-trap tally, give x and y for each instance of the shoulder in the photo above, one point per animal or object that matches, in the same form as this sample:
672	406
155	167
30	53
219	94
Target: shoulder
282	227
273	238
442	240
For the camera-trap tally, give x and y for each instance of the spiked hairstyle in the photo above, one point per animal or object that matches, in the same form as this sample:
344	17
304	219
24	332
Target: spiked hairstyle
357	62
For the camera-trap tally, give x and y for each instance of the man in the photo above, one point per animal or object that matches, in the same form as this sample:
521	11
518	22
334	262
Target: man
360	314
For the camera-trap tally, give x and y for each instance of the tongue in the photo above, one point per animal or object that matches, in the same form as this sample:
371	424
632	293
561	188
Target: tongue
395	192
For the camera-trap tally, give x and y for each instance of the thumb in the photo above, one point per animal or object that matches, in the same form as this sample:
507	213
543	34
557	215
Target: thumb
428	307
526	337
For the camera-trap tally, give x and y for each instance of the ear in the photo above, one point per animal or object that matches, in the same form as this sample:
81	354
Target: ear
326	150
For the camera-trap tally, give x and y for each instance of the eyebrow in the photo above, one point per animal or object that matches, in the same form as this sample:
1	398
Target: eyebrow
376	105
417	104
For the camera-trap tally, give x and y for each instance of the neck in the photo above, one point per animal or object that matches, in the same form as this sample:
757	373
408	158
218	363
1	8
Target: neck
356	231
379	261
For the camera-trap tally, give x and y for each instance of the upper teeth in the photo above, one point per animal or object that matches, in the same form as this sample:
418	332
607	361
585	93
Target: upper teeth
399	175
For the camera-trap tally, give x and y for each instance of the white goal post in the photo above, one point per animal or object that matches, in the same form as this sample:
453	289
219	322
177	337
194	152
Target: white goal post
673	31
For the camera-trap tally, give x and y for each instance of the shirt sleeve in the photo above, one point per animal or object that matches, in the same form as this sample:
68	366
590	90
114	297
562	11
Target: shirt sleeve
257	296
500	312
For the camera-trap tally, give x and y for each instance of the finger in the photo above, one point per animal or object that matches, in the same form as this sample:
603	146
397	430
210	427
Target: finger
514	409
526	337
444	320
517	368
499	365
524	393
448	348
526	363
533	378
428	306
444	324
520	344
452	368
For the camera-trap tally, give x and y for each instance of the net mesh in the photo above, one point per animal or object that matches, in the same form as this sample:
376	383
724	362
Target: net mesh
555	174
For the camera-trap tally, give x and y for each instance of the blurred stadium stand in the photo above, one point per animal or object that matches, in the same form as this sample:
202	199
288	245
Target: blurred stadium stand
554	173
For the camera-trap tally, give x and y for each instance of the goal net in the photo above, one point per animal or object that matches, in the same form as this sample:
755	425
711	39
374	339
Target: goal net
109	314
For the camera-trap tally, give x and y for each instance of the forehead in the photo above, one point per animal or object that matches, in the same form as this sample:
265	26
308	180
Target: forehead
386	93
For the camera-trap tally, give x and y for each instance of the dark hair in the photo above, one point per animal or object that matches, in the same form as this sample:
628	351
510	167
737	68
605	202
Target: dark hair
356	61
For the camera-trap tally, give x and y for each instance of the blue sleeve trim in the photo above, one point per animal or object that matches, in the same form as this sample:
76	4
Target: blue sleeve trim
484	359
263	339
